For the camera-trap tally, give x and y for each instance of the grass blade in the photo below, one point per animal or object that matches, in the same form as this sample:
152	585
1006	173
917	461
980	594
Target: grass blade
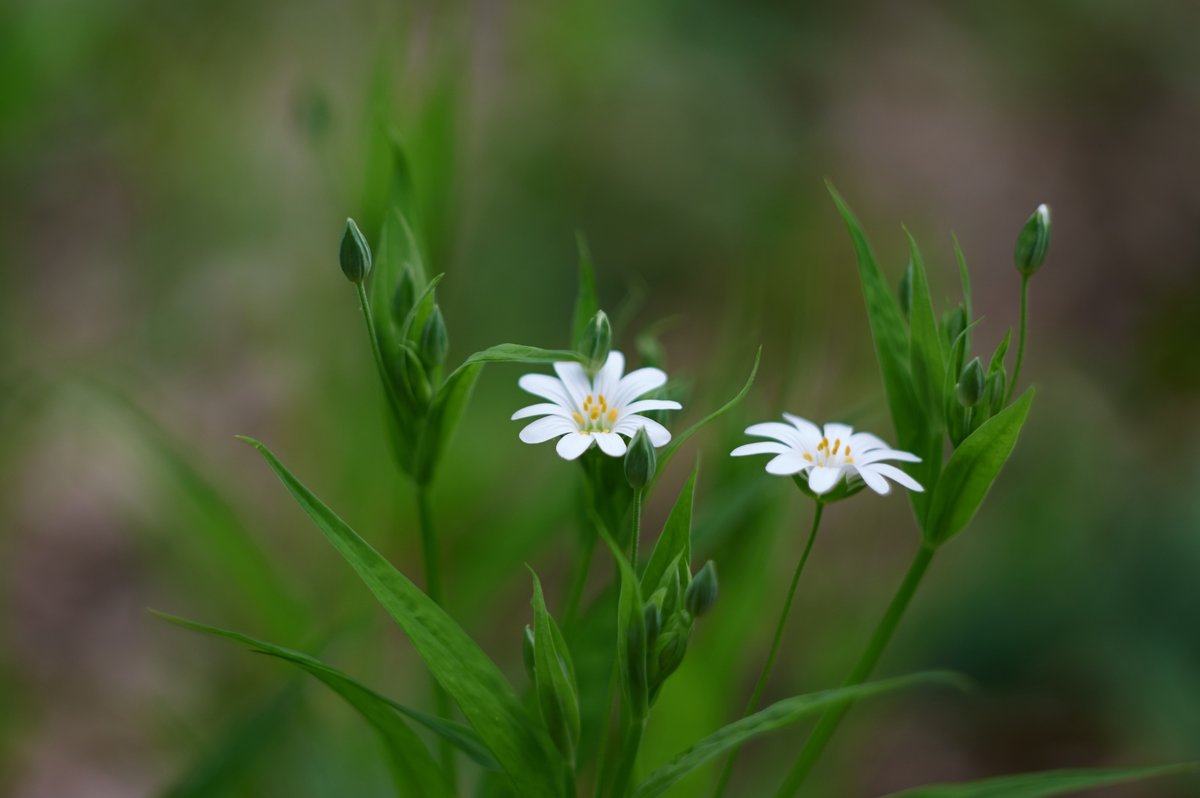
1045	784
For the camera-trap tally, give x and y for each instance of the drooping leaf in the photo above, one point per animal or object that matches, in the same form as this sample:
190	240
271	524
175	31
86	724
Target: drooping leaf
462	737
554	679
586	299
1043	785
409	760
677	441
456	661
675	542
887	330
778	715
972	469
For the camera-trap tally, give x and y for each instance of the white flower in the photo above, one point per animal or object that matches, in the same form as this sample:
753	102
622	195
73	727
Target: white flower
583	411
825	456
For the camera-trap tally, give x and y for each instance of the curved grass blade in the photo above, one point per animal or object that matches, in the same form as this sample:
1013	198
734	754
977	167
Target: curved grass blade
1044	785
671	448
462	737
456	661
780	714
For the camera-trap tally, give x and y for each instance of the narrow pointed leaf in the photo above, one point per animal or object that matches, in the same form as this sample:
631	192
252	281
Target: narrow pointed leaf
554	677
1043	785
456	661
927	362
631	635
972	469
776	716
586	300
675	542
964	276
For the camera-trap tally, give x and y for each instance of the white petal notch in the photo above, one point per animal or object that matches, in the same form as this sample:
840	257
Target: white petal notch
583	412
827	455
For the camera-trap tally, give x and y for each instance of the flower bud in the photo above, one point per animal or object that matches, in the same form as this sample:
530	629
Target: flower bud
653	622
415	378
970	383
354	254
905	292
1033	241
640	460
997	384
404	296
527	651
702	592
672	645
596	341
434	342
953	324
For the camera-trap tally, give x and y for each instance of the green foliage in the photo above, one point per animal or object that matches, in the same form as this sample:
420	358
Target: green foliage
1044	785
554	679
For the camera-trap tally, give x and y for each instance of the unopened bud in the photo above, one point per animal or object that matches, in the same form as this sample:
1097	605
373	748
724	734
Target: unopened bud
653	622
672	646
997	384
702	592
404	296
953	324
970	383
434	342
415	378
354	254
596	341
1033	241
640	460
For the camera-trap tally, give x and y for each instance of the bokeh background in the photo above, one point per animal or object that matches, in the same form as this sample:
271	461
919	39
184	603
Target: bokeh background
173	182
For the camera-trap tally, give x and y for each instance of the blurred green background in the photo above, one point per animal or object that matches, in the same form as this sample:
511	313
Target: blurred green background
173	182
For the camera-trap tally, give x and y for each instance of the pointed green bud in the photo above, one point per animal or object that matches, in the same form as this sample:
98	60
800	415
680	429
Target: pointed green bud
672	646
970	383
653	622
527	651
702	592
596	341
640	460
354	254
434	342
953	324
415	378
993	392
404	295
905	292
1033	241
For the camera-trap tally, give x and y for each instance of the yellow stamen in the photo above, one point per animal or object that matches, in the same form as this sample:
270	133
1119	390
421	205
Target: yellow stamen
601	398
849	461
612	416
607	430
595	414
837	444
808	457
578	418
847	452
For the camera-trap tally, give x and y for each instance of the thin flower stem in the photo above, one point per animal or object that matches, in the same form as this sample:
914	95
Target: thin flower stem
1012	384
828	723
638	495
759	686
629	754
433	586
365	304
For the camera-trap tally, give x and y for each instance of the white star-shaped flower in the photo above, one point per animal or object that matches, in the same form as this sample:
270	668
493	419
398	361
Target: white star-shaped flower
826	456
584	411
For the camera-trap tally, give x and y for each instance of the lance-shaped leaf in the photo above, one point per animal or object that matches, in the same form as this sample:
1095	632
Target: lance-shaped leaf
927	362
554	677
778	715
586	299
631	635
1043	785
972	469
675	542
456	661
412	767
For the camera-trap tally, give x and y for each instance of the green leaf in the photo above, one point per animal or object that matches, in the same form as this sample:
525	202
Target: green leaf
459	665
671	448
1043	785
776	716
675	542
972	469
586	300
519	353
965	277
927	361
887	331
420	311
409	760
554	677
997	361
631	635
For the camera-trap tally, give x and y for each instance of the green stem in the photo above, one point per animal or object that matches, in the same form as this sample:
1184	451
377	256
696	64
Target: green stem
433	586
579	579
375	350
637	527
1012	385
629	754
828	723
759	686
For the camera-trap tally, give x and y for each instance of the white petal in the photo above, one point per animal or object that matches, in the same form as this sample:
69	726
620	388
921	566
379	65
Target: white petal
865	442
780	432
628	426
547	387
637	383
762	447
546	428
874	481
809	430
541	410
610	443
877	455
575	379
822	479
651	404
571	446
835	431
787	464
894	474
609	376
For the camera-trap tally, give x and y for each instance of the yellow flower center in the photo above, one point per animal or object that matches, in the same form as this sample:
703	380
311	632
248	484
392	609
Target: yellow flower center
596	415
